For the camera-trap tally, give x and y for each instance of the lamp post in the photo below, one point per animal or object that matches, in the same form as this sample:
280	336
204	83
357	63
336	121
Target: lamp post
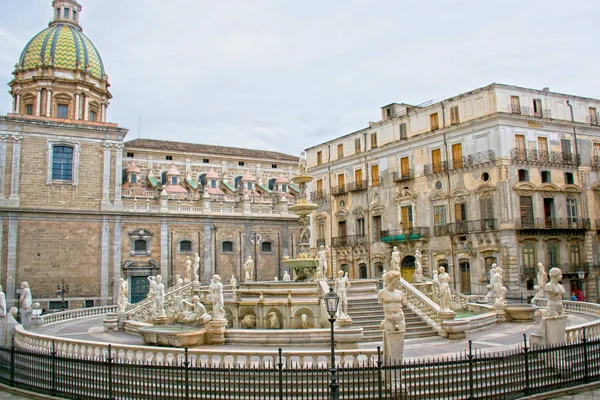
18	290
581	275
255	239
331	301
61	291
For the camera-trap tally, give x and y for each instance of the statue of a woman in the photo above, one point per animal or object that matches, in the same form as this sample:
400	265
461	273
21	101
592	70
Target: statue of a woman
393	325
216	290
445	294
555	293
25	300
196	268
542	276
395	260
499	289
123	297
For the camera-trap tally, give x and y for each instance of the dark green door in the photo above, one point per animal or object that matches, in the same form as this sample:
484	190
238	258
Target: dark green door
139	288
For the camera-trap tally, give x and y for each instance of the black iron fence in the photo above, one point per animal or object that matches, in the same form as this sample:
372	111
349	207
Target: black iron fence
469	375
349	240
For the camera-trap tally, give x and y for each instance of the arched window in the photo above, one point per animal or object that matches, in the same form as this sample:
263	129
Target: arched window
266	247
226	246
272	183
62	163
362	271
139	245
185	246
378	269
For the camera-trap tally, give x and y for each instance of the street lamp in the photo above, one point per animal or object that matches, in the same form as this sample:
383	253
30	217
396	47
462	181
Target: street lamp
61	292
331	301
581	275
18	290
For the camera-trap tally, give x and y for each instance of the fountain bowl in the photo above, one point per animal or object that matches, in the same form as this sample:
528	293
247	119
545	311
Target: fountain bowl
173	335
521	312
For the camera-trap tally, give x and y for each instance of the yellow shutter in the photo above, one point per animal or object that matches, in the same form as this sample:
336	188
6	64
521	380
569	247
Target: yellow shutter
375	175
358	176
436	160
404	166
543	148
341	181
320	186
457	155
520	141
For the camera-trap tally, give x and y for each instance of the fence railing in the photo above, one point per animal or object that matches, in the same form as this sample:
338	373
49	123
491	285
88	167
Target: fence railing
409	233
472	374
435	168
357	186
549	158
73	314
553	223
401	176
473	160
351	240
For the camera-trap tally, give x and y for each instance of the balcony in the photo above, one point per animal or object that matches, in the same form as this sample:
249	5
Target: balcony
401	235
435	168
401	176
553	158
474	226
474	160
339	190
560	224
349	241
318	195
357	186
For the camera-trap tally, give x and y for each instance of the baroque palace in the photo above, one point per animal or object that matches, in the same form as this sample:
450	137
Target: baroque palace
501	174
81	205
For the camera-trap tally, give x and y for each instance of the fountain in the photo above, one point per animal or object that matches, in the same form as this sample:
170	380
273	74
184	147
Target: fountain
304	266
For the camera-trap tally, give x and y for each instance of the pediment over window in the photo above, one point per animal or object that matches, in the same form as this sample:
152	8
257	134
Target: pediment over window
359	211
548	187
524	188
437	196
341	214
576	189
321	216
376	209
404	194
141	232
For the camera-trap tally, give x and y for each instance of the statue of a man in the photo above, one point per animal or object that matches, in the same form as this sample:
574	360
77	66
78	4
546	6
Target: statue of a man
248	269
216	290
499	289
321	259
2	303
555	292
233	282
123	297
341	288
188	270
542	276
158	306
286	276
196	267
151	285
25	300
445	294
274	320
490	294
393	325
395	260
302	165
198	313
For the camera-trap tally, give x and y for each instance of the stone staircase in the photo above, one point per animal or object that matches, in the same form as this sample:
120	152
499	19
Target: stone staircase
366	313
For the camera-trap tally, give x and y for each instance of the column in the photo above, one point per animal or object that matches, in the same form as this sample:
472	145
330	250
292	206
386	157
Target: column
16	164
86	105
103	113
11	259
104	261
2	165
77	105
106	176
38	102
17	104
48	103
117	256
164	249
118	171
208	254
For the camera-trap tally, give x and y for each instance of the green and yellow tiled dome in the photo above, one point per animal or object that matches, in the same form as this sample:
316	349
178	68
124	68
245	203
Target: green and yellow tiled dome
62	46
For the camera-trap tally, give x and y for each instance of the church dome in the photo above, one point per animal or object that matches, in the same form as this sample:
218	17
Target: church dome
62	46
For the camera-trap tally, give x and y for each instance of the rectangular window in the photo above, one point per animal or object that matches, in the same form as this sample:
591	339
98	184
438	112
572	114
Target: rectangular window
434	122
205	160
92	116
546	177
357	145
169	158
515	105
321	232
62	111
340	150
241	163
226	247
66	12
342	229
341	181
543	148
266	247
565	145
597	149
320	187
62	163
88	303
486	208
552	256
454	120
173	180
569	178
374	140
593	116
460	211
439	215
374	175
537	108
319	157
75	19
377	227
526	204
133	178
57	305
520	143
29	109
529	256
575	255
360	227
572	211
358	176
407	217
273	165
404	170
403	133
436	161
457	159
129	155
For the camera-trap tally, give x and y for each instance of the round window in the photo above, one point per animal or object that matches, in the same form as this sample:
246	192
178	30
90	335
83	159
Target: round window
439	185
485	176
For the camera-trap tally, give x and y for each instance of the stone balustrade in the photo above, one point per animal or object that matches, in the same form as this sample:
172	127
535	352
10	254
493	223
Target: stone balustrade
575	333
422	305
74	314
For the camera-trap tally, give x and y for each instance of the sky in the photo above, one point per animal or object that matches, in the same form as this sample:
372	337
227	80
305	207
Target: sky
286	75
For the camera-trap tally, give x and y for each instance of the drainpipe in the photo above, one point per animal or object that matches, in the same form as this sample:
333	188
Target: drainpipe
452	263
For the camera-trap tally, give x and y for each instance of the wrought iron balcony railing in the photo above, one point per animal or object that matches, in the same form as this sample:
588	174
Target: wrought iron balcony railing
400	176
435	168
535	157
473	160
466	227
357	186
553	223
412	233
318	195
348	241
337	190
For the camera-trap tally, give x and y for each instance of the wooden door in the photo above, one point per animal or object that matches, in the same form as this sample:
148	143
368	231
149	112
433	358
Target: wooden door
457	161
404	166
341	181
543	148
465	277
520	142
407	268
375	175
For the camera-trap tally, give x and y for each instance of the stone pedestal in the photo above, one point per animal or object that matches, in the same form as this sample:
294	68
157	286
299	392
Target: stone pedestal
456	329
344	339
500	309
26	319
393	353
446	315
217	328
114	321
417	278
551	332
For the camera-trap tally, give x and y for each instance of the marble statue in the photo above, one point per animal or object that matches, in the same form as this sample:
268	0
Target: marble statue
539	293
418	277
393	325
542	276
555	292
196	269
158	305
274	320
445	294
490	294
123	297
178	280
286	276
248	269
198	315
233	283
499	289
304	319
216	290
188	271
395	260
436	277
341	287
249	321
2	303
25	302
276	279
321	259
302	165
151	284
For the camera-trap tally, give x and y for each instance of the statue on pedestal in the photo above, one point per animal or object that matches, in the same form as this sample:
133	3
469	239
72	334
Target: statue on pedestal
196	268
393	325
490	294
418	277
197	315
216	290
158	305
286	276
542	276
395	260
233	283
445	294
248	269
274	320
321	259
123	297
178	280
25	301
151	284
555	293
188	271
499	289
341	287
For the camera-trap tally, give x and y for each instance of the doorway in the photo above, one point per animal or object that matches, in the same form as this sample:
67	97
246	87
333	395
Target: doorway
362	271
465	277
407	269
139	288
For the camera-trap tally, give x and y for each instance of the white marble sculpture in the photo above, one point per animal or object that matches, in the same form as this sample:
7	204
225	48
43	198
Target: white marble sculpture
395	260
302	165
2	303
542	276
188	271
274	320
178	280
233	282
286	276
248	269
499	289
25	301
418	277
151	285
490	294
216	290
393	326
196	268
191	313
304	319
436	277
123	297
321	259
445	294
539	293
555	292
341	288
249	321
158	305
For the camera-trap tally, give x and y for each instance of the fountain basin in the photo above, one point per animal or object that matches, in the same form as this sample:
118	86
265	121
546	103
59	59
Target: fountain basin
521	312
173	335
304	268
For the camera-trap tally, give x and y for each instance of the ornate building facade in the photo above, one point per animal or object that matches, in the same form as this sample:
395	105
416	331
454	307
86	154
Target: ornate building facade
79	203
501	174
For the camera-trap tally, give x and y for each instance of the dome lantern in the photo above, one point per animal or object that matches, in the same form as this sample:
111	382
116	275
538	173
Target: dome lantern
66	12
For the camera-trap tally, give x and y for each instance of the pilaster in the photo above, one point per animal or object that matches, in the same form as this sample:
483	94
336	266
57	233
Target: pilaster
38	102
117	226
106	175
86	107
11	259
48	102
16	165
118	172
104	254
164	249
208	252
2	164
77	96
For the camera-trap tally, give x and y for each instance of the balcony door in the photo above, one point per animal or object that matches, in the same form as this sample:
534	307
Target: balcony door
543	148
436	160
404	166
457	161
548	211
341	181
465	277
407	217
